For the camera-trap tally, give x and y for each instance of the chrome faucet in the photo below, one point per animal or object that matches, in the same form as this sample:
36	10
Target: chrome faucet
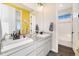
2	39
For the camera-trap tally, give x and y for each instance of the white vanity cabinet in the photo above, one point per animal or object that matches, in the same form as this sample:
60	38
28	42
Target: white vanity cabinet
25	51
39	47
20	50
43	46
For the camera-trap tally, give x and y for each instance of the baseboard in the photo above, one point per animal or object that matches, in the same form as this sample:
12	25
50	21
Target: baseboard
65	43
54	50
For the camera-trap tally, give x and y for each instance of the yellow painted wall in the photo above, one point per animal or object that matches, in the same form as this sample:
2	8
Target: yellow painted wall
25	22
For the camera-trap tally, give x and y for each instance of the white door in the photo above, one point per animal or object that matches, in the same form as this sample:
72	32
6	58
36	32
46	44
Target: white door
75	26
75	33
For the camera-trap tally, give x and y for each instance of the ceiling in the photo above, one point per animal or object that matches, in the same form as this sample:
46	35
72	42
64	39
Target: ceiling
35	6
61	6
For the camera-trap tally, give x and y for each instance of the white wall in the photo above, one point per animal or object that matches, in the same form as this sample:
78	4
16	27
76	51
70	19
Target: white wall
44	18
65	34
31	6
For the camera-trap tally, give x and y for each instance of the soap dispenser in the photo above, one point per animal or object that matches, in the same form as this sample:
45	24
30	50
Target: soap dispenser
37	28
51	26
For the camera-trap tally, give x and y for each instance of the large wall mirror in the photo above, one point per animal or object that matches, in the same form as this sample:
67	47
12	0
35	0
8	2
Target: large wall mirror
18	20
10	19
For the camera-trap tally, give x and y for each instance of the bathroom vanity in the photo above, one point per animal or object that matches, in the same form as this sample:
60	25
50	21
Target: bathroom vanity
38	45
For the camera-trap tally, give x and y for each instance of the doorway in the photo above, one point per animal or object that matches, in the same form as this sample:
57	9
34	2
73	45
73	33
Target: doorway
64	31
65	28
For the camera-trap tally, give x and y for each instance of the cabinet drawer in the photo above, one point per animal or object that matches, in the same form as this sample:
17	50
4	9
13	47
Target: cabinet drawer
33	53
23	52
38	50
38	44
9	52
42	52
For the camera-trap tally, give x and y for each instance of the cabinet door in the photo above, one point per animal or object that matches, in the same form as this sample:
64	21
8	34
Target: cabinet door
24	51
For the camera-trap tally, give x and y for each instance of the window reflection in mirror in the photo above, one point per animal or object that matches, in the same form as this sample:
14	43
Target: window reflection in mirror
18	21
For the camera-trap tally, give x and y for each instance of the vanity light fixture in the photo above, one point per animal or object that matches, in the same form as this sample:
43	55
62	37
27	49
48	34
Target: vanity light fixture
61	5
40	6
